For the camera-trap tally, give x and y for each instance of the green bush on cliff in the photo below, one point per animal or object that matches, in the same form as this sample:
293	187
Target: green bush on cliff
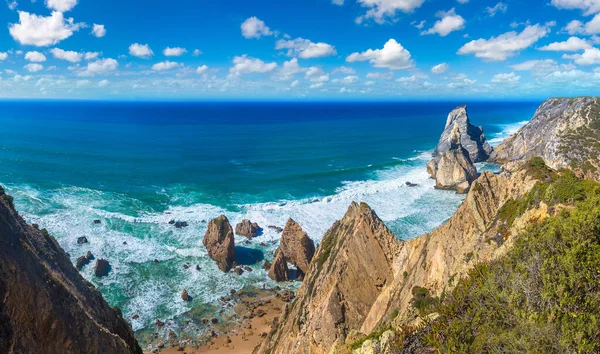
543	296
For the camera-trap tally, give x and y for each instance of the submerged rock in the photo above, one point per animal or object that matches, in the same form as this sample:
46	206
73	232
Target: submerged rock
82	240
219	242
276	228
247	228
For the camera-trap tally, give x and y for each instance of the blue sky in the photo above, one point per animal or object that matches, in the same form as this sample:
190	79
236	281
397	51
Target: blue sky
299	49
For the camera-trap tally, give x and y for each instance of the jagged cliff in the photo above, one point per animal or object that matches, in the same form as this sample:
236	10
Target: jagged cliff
565	132
45	305
362	273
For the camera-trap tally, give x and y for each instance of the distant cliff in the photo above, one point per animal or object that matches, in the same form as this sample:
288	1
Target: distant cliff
565	132
45	305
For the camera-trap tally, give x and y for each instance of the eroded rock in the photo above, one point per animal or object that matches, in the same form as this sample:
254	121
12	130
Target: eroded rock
219	242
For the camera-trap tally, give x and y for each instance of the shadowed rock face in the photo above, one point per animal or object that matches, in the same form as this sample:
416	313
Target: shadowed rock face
472	138
279	270
296	248
45	305
219	242
565	132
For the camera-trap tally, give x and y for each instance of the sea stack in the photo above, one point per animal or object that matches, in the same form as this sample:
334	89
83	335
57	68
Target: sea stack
296	248
247	229
219	242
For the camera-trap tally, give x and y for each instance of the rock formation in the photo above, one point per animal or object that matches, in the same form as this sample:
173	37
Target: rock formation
102	268
564	132
296	248
45	305
362	275
247	228
453	169
472	138
219	242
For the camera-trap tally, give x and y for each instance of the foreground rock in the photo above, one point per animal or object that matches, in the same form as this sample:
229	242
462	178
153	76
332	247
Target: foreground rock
102	268
295	247
219	242
453	170
247	228
565	132
45	305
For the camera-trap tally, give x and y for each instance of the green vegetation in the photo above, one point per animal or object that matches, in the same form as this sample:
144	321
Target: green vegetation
423	301
543	295
373	336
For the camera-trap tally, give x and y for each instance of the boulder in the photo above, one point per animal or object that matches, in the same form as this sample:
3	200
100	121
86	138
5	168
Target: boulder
276	228
247	228
279	270
296	246
102	268
219	242
83	261
81	240
266	265
185	296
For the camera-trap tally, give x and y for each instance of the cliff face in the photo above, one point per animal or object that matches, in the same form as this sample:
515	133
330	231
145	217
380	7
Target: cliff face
362	274
564	132
45	305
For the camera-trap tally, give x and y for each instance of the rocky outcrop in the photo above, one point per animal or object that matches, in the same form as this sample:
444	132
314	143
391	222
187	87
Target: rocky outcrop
45	305
472	138
247	228
352	266
362	275
219	242
296	248
453	169
102	268
565	132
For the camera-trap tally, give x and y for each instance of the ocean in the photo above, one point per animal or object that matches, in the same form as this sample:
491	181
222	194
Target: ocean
137	165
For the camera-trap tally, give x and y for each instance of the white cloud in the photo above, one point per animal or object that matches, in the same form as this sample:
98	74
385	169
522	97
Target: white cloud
393	56
316	86
578	27
289	69
35	57
103	83
589	57
588	6
381	10
100	67
165	65
295	83
12	4
305	49
499	7
82	83
42	31
69	56
381	76
3	56
337	2
33	68
174	52
197	52
255	28
140	50
449	22
202	69
419	25
247	65
440	68
545	65
506	78
91	55
574	27
593	27
315	74
505	45
463	1
99	31
573	44
344	70
349	80
61	5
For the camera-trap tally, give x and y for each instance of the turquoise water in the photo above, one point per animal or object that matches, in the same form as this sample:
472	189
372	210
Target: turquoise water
136	166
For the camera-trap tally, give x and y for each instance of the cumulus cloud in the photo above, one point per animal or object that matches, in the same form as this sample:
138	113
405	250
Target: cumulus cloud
165	65
33	68
69	56
288	70
440	68
589	28
174	52
590	56
499	7
61	5
305	49
316	74
247	65
344	70
505	45
98	30
196	52
140	50
349	80
449	22
103	83
255	28
337	2
42	31
35	57
91	55
392	56
508	78
100	67
573	44
3	56
381	76
382	10
202	69
587	6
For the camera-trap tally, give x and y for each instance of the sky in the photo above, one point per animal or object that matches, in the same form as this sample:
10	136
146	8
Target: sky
299	49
